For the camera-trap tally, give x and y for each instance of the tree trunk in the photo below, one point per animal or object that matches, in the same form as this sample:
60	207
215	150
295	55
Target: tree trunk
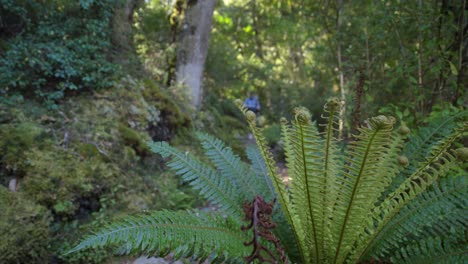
122	22
460	88
339	7
193	47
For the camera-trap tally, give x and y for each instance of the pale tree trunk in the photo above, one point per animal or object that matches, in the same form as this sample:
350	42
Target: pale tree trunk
420	51
193	47
461	83
339	7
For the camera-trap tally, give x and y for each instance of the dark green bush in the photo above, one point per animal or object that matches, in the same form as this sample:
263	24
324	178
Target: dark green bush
272	135
63	47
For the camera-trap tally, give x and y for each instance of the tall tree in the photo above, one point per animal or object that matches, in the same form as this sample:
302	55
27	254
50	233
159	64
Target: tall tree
193	47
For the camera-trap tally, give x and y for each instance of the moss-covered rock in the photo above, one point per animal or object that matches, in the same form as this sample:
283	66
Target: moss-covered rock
172	116
60	179
24	229
134	139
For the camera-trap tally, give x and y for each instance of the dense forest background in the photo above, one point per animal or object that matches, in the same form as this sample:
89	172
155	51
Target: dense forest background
84	85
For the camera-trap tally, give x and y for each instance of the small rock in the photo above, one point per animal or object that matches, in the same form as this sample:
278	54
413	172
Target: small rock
150	260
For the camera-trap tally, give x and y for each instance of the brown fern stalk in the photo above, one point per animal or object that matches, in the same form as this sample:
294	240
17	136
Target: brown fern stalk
259	214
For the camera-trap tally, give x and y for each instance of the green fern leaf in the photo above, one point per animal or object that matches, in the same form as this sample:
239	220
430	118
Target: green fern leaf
420	144
231	167
436	165
308	182
358	187
450	249
433	213
281	193
287	144
195	234
203	178
259	169
331	163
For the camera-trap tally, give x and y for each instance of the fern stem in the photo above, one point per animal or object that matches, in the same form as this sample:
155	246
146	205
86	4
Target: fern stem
361	169
277	184
328	182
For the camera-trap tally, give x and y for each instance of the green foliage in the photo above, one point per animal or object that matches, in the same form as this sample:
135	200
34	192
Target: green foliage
204	179
440	210
24	229
92	154
131	138
335	208
173	117
71	178
272	134
63	47
16	141
200	235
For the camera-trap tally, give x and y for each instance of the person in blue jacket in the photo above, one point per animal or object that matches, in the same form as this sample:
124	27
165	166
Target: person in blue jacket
252	103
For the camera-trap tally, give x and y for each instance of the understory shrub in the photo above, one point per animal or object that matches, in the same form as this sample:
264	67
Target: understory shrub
61	47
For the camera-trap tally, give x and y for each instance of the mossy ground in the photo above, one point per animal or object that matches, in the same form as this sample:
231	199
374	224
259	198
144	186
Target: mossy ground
85	163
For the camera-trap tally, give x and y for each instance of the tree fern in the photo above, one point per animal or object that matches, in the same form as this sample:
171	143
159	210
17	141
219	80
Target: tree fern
375	200
195	234
435	166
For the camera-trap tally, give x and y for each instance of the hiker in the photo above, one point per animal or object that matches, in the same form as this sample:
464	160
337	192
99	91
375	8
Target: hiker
252	103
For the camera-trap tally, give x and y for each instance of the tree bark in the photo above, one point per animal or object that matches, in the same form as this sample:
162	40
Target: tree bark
460	88
339	7
193	47
122	25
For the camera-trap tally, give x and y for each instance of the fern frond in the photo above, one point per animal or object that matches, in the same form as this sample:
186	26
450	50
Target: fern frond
450	249
283	230
281	193
437	164
231	167
435	212
308	182
331	164
421	142
203	178
358	188
280	188
286	132
259	169
185	234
